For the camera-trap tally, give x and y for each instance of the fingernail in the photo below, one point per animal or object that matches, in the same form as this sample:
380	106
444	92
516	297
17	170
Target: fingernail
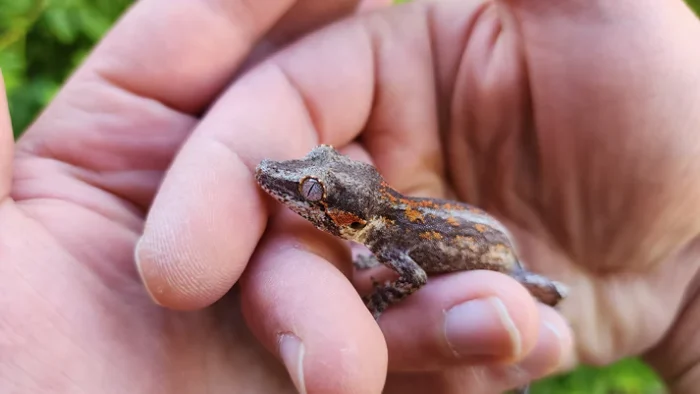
142	275
565	359
292	353
553	329
547	356
482	327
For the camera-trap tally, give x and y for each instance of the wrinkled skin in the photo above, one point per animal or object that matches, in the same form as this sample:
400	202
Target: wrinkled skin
574	122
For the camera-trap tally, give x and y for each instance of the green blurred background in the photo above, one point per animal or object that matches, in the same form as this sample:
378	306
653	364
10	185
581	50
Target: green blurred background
41	41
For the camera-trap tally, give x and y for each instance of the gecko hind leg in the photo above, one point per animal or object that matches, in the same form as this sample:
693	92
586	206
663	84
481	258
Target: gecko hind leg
411	278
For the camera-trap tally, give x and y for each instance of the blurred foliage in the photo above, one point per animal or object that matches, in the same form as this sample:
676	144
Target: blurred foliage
630	376
42	41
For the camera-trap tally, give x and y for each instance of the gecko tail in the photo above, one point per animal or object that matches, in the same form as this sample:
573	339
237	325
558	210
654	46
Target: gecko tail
546	291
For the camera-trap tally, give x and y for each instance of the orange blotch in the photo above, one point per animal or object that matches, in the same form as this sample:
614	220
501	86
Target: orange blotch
343	218
480	227
453	207
415	204
427	204
387	193
430	235
452	221
413	215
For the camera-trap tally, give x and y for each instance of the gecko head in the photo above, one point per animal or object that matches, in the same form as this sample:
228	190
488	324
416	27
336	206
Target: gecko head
335	193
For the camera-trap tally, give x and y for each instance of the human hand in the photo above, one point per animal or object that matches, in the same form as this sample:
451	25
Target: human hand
532	71
193	249
75	317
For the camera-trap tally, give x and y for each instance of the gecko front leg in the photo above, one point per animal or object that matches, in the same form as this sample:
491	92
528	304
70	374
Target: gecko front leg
411	278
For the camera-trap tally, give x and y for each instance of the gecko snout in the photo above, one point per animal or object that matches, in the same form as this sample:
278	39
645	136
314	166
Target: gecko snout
263	168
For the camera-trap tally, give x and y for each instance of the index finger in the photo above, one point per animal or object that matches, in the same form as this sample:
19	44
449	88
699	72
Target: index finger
322	89
209	215
182	52
150	78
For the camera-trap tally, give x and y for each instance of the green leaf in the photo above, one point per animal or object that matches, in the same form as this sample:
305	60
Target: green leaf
15	7
62	24
695	5
12	65
94	24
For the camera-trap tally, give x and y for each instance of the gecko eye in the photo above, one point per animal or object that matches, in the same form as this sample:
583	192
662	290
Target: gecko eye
311	189
357	225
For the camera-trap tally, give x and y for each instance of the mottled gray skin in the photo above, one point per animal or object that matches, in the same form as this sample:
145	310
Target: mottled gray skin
413	236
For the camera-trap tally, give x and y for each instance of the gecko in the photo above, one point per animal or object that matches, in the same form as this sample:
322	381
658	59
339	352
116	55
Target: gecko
413	236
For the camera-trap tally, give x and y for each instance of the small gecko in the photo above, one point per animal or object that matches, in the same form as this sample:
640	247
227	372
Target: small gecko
413	236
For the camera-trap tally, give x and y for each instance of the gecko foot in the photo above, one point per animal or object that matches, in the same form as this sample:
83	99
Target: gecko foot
411	278
376	308
388	294
375	301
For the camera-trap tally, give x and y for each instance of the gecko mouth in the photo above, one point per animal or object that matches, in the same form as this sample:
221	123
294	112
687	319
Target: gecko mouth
266	175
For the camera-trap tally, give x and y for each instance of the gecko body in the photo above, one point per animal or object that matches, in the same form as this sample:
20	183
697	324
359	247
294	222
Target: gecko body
413	236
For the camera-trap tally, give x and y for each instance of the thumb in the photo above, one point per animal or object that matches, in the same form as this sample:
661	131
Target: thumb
6	143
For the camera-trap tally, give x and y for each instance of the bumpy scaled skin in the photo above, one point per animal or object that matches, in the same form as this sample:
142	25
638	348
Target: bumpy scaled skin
413	236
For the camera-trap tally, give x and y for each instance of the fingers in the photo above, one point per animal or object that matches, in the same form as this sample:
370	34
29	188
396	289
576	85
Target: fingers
403	128
308	15
179	53
469	318
304	17
6	143
209	215
476	329
182	53
309	93
161	65
206	41
306	311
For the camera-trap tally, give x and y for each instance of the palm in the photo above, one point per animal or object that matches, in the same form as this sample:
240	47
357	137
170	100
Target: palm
84	202
567	148
83	280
